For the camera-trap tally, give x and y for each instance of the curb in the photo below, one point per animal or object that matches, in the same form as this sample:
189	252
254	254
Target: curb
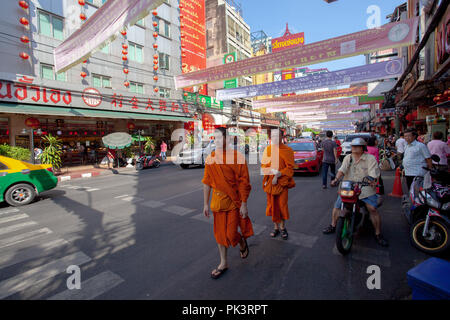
91	174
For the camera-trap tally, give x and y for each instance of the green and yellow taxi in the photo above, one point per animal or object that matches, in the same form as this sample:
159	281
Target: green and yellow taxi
20	181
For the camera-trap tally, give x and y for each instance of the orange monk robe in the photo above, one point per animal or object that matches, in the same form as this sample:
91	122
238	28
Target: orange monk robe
231	186
277	205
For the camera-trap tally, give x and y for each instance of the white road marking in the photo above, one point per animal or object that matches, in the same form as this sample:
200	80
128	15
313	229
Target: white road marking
257	228
92	189
16	227
374	256
86	175
65	178
13	257
299	239
132	199
181	211
153	204
9	211
74	187
122	196
181	194
23	237
41	273
14	218
91	288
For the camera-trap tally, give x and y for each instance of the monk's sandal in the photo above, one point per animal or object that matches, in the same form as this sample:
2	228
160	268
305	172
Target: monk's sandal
284	234
274	233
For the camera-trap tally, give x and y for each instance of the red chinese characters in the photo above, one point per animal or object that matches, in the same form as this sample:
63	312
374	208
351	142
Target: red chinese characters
117	99
149	105
162	105
134	103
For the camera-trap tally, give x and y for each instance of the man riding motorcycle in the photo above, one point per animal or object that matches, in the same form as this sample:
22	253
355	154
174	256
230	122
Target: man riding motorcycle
355	167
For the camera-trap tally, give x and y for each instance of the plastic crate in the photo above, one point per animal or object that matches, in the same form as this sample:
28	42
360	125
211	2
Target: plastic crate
430	280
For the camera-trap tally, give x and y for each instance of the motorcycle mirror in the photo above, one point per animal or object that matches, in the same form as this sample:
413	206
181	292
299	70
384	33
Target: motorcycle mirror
435	158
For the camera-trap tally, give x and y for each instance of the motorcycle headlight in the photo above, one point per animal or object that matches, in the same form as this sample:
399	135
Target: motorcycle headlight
432	202
446	206
347	193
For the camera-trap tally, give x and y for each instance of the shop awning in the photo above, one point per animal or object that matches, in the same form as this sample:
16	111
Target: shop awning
78	112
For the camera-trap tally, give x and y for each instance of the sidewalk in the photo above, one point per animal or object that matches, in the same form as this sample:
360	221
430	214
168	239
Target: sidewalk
89	171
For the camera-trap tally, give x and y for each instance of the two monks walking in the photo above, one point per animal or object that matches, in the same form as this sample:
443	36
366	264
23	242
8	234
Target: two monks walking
226	173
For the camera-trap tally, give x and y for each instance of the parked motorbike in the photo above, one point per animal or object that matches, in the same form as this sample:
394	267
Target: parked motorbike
354	214
429	212
147	161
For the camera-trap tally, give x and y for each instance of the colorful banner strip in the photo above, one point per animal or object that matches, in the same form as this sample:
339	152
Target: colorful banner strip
99	29
361	74
392	35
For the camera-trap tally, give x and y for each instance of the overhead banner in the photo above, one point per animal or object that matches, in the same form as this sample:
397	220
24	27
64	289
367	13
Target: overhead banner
99	29
361	74
329	94
347	102
392	35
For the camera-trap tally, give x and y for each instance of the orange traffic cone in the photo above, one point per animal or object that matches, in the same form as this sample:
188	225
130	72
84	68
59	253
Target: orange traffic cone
397	190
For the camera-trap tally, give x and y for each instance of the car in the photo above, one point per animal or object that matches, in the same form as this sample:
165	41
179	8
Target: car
307	157
196	156
21	182
347	149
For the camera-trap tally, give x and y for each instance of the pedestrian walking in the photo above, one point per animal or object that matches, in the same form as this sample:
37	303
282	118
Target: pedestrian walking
372	148
163	150
339	148
415	158
400	145
440	148
329	158
278	169
226	173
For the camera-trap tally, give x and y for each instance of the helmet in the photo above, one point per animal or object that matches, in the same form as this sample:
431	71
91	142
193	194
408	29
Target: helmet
358	142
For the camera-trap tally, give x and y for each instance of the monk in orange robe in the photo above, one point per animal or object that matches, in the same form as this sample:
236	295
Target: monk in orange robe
226	172
278	169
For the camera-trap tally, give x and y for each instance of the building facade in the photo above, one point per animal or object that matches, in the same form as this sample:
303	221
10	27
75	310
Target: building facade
125	86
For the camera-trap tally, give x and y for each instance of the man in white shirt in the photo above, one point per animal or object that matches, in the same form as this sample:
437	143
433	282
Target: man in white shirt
417	156
400	145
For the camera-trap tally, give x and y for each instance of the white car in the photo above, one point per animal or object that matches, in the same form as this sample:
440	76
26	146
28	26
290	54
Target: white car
347	149
196	156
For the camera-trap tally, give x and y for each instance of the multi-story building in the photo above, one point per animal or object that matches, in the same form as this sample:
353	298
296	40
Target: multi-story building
116	89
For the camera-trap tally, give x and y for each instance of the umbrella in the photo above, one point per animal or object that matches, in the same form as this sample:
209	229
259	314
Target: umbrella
117	140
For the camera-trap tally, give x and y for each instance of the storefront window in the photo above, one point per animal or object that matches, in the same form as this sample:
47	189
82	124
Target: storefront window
4	131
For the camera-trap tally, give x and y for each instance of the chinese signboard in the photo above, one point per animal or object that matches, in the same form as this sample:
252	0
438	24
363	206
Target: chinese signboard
100	28
361	74
391	35
90	98
230	58
193	37
371	100
206	101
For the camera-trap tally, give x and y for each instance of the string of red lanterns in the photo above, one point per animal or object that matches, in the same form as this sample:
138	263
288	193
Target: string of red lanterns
26	24
123	32
155	46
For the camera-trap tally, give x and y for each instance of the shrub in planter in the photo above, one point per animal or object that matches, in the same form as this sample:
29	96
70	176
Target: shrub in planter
52	152
17	153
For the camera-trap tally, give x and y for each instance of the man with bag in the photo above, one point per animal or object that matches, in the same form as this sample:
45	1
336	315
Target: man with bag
226	172
278	169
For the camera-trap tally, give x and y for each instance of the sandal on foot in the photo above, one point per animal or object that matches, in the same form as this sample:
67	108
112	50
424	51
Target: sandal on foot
218	272
246	250
274	233
284	234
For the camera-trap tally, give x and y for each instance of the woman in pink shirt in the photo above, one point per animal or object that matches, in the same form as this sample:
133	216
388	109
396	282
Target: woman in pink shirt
439	147
373	149
163	150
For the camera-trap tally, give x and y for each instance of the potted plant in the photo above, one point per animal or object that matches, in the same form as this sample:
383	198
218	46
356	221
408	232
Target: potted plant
149	146
52	151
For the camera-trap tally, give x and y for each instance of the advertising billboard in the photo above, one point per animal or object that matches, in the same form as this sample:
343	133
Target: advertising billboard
193	38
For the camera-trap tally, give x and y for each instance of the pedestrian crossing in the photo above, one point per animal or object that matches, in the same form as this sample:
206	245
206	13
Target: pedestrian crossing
79	188
24	242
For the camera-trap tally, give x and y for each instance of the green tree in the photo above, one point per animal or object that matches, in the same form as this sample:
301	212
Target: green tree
52	151
149	146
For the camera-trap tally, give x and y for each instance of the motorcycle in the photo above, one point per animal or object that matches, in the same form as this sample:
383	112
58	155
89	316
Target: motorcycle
428	211
147	161
354	214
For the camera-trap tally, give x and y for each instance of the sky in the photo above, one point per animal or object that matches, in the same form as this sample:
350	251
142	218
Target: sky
317	19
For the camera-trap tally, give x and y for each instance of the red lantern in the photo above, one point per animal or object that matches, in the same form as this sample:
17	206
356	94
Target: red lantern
24	55
32	123
125	70
24	21
125	46
181	6
24	39
131	126
23	5
181	16
82	16
155	24
85	61
156	89
155	34
155	46
81	2
155	56
123	32
155	13
181	26
185	94
124	52
155	61
83	74
155	68
126	83
124	58
155	78
409	117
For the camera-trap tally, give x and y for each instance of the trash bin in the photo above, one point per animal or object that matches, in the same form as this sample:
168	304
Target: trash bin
430	280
